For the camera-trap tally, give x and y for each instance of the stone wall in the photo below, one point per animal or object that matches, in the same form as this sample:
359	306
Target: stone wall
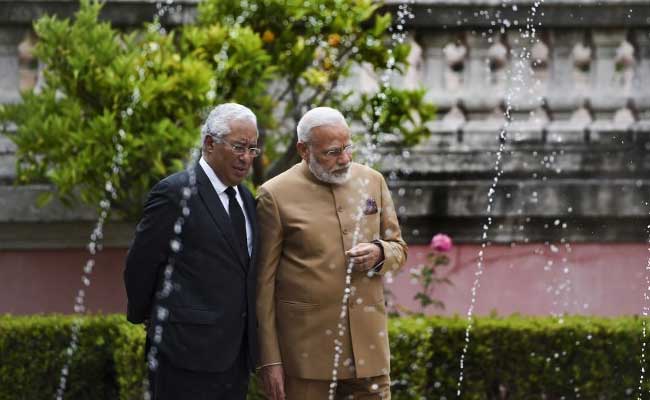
569	107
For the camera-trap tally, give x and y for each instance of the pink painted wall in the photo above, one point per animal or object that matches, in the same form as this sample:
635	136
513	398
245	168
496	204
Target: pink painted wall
535	279
595	279
47	281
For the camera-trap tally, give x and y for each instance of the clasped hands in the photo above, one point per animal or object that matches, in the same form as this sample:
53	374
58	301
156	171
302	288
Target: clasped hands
365	256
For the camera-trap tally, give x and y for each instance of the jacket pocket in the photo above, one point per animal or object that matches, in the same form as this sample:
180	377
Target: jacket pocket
295	308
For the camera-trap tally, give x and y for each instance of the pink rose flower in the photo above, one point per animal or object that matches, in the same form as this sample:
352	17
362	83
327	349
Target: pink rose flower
441	243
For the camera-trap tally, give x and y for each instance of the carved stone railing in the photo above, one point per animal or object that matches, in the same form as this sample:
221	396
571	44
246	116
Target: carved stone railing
571	106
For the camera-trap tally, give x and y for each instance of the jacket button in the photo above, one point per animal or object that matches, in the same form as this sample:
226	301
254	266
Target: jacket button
339	209
345	231
243	315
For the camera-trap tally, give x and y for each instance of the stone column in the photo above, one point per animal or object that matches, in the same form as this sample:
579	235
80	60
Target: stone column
640	92
412	77
523	89
434	66
10	37
479	94
606	96
562	89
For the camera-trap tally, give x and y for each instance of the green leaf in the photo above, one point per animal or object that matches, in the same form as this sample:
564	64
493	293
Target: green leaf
44	199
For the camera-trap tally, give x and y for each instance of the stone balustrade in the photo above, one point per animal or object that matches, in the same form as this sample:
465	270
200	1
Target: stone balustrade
568	107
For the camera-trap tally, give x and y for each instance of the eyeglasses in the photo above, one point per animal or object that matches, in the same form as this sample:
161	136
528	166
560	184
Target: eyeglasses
238	148
336	153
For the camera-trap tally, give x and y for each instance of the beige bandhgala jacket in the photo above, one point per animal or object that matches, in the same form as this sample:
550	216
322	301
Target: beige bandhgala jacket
305	228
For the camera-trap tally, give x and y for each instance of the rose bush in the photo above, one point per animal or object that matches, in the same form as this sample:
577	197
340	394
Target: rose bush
427	275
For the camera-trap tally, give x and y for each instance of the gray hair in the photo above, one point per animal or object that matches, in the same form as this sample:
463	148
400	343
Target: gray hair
316	117
218	122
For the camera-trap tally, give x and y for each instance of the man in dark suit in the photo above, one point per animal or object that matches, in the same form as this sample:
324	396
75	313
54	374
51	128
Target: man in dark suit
190	271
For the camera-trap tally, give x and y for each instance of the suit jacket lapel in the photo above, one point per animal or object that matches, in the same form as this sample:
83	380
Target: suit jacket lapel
215	207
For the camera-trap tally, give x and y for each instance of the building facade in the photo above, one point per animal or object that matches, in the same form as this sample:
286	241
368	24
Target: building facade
538	165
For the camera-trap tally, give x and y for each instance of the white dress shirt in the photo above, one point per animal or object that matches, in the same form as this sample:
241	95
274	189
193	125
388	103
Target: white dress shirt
220	188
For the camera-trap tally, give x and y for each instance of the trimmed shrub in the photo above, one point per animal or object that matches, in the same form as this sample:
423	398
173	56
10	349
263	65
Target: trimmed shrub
518	358
32	353
129	360
507	358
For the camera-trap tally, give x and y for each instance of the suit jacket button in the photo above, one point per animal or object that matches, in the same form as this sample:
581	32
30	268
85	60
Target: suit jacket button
340	209
243	315
345	231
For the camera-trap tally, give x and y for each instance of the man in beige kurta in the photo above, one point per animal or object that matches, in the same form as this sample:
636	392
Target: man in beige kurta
319	220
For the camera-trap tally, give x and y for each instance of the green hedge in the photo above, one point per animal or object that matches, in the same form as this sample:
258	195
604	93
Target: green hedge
518	358
32	353
513	358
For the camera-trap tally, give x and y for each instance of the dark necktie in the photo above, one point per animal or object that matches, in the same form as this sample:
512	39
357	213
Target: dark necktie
238	222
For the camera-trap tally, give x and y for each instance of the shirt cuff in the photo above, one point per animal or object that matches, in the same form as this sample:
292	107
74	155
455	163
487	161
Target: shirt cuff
267	365
377	267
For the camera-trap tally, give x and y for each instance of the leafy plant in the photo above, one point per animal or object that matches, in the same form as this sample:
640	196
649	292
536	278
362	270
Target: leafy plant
104	89
426	275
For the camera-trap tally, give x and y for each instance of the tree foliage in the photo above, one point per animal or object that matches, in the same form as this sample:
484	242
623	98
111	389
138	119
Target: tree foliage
146	92
100	83
313	47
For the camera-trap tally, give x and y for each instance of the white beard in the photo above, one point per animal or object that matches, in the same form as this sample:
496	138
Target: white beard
322	175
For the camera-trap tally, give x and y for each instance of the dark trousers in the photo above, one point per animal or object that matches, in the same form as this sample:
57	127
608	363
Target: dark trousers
168	382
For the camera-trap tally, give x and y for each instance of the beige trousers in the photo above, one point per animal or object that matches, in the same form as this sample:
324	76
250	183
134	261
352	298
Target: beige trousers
374	388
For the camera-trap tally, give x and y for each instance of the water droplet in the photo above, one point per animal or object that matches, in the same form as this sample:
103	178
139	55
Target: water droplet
89	266
175	245
162	313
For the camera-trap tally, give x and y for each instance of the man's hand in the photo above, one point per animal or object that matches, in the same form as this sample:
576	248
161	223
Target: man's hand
273	381
364	256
